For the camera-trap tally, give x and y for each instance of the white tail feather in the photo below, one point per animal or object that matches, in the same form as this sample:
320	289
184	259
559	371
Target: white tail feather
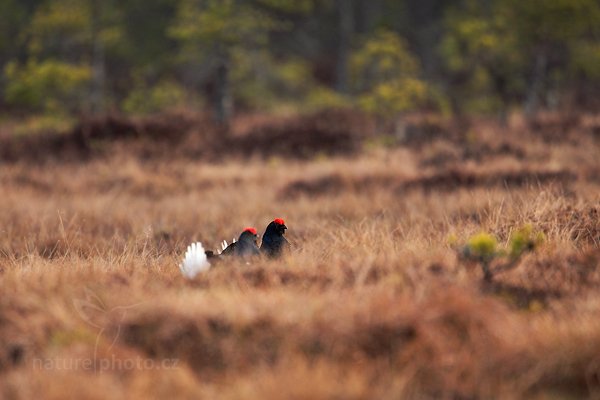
195	261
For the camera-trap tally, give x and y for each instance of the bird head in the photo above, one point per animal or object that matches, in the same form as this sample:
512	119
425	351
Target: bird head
279	225
249	234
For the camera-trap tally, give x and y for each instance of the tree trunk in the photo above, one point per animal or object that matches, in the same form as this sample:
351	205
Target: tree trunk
98	59
500	84
222	97
345	9
537	84
424	24
368	16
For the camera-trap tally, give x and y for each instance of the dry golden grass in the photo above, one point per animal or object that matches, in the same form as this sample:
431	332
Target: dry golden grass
371	303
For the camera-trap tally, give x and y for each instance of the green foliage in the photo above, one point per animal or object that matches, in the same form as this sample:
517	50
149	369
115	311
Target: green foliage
491	48
13	17
524	239
586	60
322	97
482	246
64	28
162	96
145	42
391	98
50	86
384	57
385	75
481	49
50	122
212	35
210	27
57	26
558	31
260	81
556	21
291	6
492	56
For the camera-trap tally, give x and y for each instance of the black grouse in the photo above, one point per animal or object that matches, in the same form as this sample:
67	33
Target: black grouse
273	242
246	245
196	259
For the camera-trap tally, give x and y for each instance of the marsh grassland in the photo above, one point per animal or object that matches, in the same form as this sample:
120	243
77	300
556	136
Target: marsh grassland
373	302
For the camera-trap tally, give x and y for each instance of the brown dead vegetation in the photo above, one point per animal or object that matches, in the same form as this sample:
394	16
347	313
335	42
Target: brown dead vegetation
329	132
453	179
372	302
325	133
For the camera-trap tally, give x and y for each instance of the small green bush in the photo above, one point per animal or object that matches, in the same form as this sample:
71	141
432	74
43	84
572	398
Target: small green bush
50	86
145	100
483	248
385	77
524	239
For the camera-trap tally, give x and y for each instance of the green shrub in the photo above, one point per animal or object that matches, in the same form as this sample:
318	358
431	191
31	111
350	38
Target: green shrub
385	77
586	60
322	97
483	249
391	98
524	239
49	86
482	246
145	100
42	123
262	82
382	58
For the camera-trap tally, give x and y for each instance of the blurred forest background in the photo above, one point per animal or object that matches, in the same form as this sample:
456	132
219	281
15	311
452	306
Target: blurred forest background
64	59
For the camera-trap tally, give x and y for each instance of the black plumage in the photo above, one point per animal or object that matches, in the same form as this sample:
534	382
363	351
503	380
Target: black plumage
246	245
273	241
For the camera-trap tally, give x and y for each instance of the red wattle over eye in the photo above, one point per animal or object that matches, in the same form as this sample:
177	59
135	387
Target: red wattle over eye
279	221
251	230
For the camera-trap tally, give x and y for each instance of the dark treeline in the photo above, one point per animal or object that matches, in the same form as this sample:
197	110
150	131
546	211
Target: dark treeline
73	57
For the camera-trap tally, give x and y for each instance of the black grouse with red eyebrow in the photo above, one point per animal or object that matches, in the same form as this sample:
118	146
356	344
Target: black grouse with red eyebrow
273	242
246	245
196	259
